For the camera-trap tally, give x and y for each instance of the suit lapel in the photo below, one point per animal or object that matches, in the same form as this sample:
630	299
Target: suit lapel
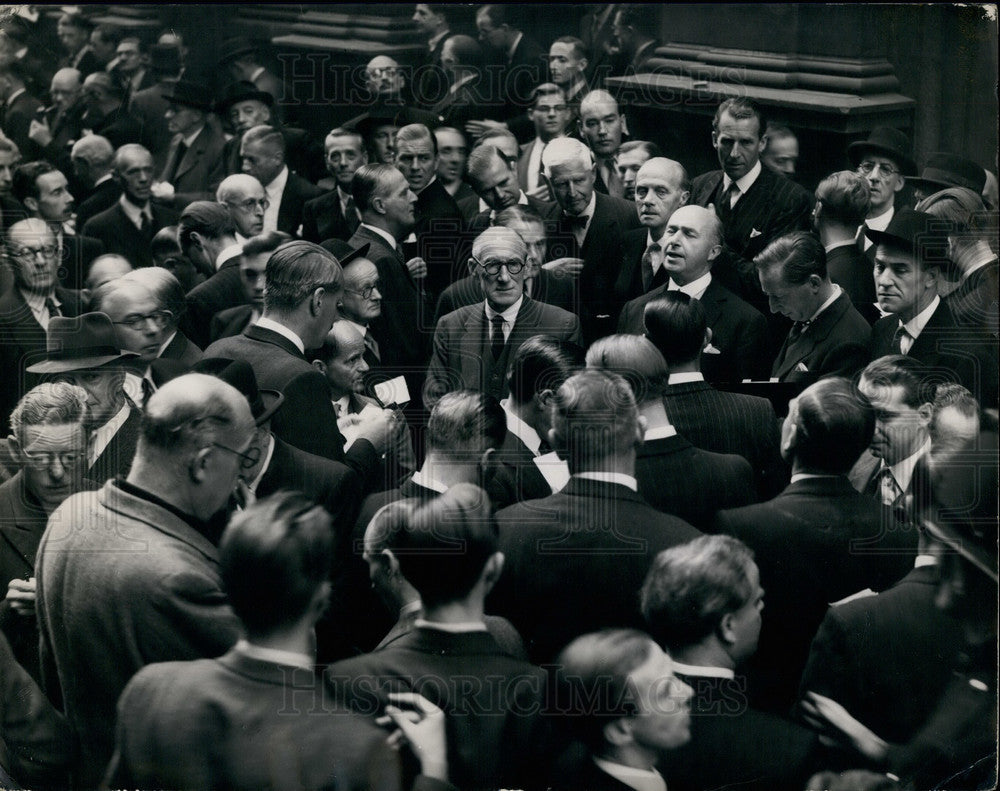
813	334
265	335
23	532
193	154
477	366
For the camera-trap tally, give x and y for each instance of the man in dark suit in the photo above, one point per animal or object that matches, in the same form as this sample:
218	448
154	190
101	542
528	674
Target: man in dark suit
551	117
262	151
911	256
74	30
591	227
842	201
275	348
252	679
18	109
251	265
755	204
149	105
57	128
194	166
673	475
93	164
473	345
703	603
129	225
469	97
450	648
430	80
334	215
247	202
520	56
576	558
601	126
829	337
819	540
689	245
107	113
708	418
27	308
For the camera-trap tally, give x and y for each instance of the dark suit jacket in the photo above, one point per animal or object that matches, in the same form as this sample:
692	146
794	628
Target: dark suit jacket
550	288
522	162
222	291
439	226
149	106
119	234
306	418
17	118
203	724
815	543
322	219
974	302
462	357
470	102
231	321
677	478
21	337
960	353
293	199
835	344
730	423
197	174
739	333
525	70
575	561
628	286
116	458
494	740
104	196
517	478
182	350
887	658
852	271
77	254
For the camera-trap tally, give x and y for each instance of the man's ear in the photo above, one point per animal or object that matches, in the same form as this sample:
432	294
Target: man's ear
926	412
197	466
624	121
320	366
472	266
619	732
713	253
708	338
31	203
725	630
492	571
388	559
15	448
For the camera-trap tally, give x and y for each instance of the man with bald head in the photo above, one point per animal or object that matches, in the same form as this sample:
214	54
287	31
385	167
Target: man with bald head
105	268
473	346
602	127
92	158
244	196
62	123
158	526
690	242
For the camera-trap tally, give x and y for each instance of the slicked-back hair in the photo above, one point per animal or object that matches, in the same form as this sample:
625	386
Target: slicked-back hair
466	49
961	211
651	150
565	151
499	14
911	375
388	522
341	131
96	150
690	588
676	325
123	153
592	678
268	135
266	242
285	539
481	159
417	133
799	255
9	146
579	48
295	270
371	181
846	197
636	359
740	108
25	181
540	363
834	424
163	285
594	417
466	423
639	16
207	218
50	403
445	546
547	89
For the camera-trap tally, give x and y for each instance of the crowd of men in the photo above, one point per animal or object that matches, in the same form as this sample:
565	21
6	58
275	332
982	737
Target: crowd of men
479	444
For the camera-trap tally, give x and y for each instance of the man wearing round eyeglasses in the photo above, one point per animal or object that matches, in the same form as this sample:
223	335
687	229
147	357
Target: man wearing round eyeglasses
474	344
246	200
140	321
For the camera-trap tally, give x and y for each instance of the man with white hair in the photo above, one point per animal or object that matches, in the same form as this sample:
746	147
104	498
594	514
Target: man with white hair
592	227
92	158
62	123
246	200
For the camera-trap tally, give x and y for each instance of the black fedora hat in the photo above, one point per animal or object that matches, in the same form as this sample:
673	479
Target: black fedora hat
919	232
191	94
236	47
395	114
343	251
239	374
943	170
79	344
887	142
242	91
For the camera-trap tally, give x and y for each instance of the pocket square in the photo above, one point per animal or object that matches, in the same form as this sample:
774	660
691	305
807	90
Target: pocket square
754	233
801	368
710	349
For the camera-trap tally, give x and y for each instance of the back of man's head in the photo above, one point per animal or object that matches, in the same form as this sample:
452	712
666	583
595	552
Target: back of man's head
540	363
464	424
370	182
636	360
206	218
676	325
96	150
447	544
164	286
845	197
797	255
907	373
595	421
268	136
294	271
690	588
285	539
833	424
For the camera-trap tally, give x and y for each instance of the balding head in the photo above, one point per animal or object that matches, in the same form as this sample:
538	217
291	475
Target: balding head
601	123
65	87
245	198
106	268
384	77
661	187
341	359
692	241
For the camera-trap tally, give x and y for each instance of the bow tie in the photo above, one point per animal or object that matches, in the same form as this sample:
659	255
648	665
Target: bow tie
576	220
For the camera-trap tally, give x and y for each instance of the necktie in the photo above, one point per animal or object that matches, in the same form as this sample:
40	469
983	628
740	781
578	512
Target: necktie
612	180
145	225
497	341
732	192
351	215
647	265
797	329
147	391
176	164
897	340
889	491
372	345
52	308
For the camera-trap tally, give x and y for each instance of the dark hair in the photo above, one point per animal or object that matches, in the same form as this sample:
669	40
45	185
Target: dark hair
594	417
800	255
834	424
466	422
416	133
652	150
266	242
165	241
285	539
636	359
208	218
295	270
579	48
446	544
25	181
638	16
112	34
740	108
540	363
846	197
906	372
518	213
369	183
466	50
676	325
265	134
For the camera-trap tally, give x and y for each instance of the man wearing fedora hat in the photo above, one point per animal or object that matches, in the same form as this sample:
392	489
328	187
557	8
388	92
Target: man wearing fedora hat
150	104
943	170
883	159
195	165
242	61
85	352
246	107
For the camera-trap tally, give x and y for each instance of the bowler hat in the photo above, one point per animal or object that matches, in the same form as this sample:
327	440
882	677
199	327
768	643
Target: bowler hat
919	232
165	60
242	91
396	114
78	344
887	142
239	374
943	170
191	94
233	48
343	251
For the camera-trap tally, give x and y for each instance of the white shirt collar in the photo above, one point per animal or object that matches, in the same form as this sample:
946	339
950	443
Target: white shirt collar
36	302
270	324
451	628
274	192
274	656
837	245
521	430
342	406
636	779
879	223
513	45
926	560
420	478
133	212
103	434
534	163
902	471
745	182
916	325
619	478
252	485
509	315
433	40
166	343
465	79
684	378
228	253
659	432
808	476
706	671
13	96
102	179
830	300
381	232
695	289
256	73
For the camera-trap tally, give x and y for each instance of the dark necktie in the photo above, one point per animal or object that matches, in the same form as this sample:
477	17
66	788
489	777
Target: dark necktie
731	192
52	308
176	165
796	331
145	226
372	345
351	215
147	391
897	339
575	220
647	265
497	341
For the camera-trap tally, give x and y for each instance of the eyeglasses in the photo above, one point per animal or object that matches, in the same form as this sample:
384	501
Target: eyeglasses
27	253
366	292
493	269
42	460
250	204
248	460
159	318
868	167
